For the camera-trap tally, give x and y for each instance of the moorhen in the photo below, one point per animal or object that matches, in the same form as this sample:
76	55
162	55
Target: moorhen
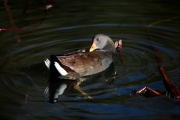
76	65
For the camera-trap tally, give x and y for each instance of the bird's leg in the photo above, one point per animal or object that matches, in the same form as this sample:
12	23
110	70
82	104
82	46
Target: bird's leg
76	86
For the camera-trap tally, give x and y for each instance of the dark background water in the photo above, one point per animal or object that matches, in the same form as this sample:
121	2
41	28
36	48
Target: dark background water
70	25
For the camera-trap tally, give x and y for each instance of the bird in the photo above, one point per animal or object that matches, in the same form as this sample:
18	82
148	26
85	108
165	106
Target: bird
79	64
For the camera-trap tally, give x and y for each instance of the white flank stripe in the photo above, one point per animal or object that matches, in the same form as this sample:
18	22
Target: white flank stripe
60	69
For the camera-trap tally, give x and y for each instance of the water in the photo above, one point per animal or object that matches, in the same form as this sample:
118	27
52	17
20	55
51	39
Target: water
70	26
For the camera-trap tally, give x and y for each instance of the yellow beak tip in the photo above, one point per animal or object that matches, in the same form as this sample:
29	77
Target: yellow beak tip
93	47
90	50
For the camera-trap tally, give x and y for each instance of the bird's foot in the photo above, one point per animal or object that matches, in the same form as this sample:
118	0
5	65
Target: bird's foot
81	91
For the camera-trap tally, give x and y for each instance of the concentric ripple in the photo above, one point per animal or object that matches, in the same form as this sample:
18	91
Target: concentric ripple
71	27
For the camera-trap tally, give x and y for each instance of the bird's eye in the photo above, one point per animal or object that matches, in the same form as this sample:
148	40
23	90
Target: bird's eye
98	39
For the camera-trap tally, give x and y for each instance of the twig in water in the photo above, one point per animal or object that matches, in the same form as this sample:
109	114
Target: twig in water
170	87
118	46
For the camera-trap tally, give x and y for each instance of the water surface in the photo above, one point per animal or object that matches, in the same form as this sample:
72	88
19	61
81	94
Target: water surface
70	26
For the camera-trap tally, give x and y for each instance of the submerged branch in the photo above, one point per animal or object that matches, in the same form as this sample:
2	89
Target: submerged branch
170	87
14	27
160	21
11	19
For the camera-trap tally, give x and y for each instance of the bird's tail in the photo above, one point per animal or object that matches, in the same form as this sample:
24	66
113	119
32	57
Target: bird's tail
55	87
54	66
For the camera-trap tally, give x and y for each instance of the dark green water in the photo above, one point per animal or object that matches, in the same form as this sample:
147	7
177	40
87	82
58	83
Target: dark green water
70	25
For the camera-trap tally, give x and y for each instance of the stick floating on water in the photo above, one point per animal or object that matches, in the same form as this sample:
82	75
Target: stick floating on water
118	46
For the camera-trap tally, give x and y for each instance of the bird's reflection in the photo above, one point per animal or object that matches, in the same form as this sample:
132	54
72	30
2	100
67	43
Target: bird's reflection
59	86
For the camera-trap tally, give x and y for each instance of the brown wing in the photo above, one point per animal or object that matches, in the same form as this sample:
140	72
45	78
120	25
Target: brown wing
86	63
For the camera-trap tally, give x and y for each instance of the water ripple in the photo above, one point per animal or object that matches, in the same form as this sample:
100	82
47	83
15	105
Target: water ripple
71	27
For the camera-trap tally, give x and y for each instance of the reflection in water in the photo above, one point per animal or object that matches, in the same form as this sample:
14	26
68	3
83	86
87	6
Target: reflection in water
58	86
